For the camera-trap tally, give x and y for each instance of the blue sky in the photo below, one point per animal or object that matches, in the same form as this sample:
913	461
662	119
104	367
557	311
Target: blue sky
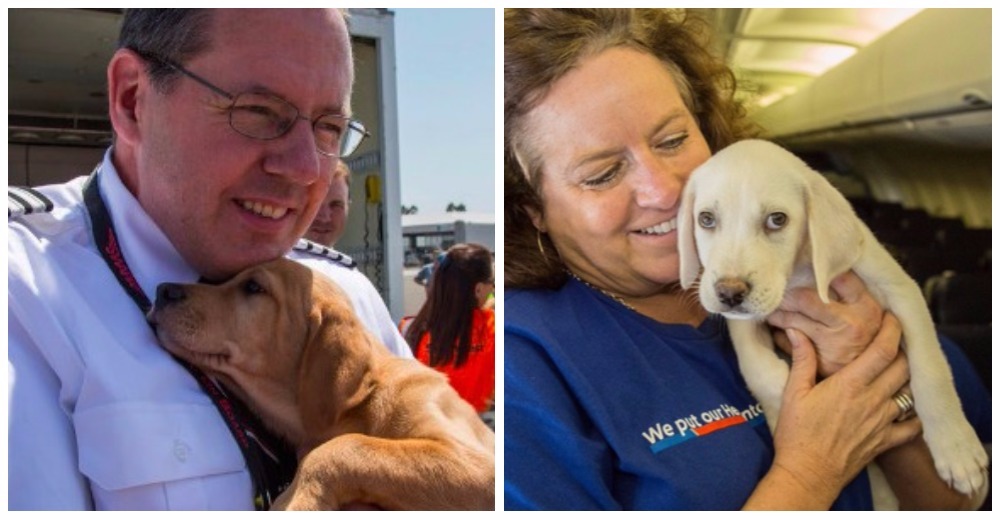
445	83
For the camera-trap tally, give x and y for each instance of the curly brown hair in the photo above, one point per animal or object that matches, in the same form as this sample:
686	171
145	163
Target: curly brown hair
540	47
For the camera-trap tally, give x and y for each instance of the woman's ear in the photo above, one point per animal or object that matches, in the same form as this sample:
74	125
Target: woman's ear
536	219
127	83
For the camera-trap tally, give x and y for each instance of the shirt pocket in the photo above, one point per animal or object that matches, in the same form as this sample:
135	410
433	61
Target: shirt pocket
143	456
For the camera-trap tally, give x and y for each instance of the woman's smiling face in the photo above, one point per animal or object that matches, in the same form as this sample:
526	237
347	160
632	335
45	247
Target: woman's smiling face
616	144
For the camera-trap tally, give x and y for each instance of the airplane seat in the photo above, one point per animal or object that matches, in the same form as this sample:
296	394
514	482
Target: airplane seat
961	306
975	252
967	249
978	239
960	298
895	225
916	222
985	262
947	230
864	207
920	262
891	237
886	215
975	342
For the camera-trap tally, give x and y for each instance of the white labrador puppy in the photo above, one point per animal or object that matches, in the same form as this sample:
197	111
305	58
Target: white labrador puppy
759	222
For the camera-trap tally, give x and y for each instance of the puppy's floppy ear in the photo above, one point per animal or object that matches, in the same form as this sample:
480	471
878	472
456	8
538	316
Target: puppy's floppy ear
835	237
690	263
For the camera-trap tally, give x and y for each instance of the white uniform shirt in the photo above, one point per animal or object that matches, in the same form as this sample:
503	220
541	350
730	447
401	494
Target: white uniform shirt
100	416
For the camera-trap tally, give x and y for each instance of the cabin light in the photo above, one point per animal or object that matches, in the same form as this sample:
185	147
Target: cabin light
24	135
774	96
818	59
883	20
780	47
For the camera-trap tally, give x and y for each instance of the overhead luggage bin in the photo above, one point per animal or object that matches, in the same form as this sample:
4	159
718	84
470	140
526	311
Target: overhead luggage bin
928	79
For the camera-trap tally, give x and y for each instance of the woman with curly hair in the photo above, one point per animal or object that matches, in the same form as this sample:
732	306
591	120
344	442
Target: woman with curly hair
620	392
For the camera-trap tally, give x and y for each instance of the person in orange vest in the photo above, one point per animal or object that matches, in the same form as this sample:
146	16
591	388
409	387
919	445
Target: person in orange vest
454	330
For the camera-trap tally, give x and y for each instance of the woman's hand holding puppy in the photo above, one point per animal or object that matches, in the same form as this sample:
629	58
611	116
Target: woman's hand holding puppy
840	330
829	431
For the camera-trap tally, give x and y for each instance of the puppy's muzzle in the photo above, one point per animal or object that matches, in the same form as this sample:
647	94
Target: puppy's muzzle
169	293
731	291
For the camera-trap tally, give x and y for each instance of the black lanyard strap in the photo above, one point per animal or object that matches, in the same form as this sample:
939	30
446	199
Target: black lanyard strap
107	243
271	462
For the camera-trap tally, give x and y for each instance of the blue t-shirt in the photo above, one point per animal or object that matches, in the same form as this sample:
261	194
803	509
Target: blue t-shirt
608	409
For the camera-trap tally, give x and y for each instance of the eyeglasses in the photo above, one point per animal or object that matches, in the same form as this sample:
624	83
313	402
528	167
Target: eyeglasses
264	116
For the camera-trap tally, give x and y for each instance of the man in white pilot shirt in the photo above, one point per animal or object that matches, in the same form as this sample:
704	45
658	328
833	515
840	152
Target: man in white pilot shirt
194	187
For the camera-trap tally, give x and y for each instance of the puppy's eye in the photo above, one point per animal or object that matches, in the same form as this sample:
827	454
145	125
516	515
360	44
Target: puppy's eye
776	221
706	219
252	287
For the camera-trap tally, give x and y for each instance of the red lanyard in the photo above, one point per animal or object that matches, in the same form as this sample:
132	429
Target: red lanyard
270	461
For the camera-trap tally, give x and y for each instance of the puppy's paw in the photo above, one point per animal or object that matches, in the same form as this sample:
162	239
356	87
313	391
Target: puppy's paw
959	456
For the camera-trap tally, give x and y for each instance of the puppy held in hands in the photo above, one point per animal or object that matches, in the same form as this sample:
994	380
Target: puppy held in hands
755	222
369	427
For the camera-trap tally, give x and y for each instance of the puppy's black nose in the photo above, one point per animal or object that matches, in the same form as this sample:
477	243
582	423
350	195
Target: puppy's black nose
731	291
167	293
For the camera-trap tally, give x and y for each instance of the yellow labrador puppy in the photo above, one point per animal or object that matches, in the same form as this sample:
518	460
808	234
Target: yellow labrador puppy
755	222
369	427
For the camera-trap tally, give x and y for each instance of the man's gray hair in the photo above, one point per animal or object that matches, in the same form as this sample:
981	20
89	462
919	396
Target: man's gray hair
173	34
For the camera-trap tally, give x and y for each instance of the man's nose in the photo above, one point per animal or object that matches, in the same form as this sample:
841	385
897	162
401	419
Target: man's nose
325	213
294	155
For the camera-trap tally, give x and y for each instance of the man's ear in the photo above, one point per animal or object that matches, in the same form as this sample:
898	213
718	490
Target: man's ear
127	83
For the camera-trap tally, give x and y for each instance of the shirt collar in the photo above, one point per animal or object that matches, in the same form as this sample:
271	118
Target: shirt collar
150	255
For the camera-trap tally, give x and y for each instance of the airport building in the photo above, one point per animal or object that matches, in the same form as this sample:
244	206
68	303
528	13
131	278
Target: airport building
423	234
